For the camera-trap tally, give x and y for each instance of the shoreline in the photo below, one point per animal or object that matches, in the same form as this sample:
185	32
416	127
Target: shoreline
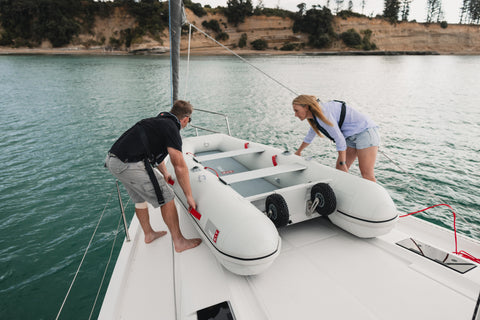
409	38
214	52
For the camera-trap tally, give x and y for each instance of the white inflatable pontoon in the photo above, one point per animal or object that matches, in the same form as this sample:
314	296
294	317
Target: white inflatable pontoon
244	190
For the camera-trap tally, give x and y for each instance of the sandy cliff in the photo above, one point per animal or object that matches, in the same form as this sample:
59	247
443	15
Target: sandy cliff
410	36
455	39
276	31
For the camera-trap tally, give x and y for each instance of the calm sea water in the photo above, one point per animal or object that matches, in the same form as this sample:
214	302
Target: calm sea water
60	114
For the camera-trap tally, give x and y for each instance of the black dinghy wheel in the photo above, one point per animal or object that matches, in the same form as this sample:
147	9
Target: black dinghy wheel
277	210
326	197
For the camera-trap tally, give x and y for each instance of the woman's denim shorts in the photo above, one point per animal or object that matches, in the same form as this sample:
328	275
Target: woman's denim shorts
365	139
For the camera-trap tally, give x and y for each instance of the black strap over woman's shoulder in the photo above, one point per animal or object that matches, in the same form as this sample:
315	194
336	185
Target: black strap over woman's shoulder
342	113
322	129
340	121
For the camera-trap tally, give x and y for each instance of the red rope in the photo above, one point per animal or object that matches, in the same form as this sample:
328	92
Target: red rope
461	252
212	170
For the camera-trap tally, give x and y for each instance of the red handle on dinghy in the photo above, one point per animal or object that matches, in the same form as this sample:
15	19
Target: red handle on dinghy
274	160
208	168
195	213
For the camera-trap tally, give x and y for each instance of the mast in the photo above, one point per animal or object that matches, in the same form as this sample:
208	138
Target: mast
175	26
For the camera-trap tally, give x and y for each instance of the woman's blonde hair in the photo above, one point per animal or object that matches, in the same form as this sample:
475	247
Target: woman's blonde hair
312	103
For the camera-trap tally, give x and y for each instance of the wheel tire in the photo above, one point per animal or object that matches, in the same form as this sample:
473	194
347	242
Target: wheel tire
326	196
277	210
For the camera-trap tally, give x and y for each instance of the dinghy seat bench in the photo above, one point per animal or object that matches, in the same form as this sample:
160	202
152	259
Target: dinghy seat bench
229	154
261	173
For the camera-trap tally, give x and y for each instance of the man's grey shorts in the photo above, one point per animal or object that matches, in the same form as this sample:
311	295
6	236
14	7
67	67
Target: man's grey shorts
365	139
137	182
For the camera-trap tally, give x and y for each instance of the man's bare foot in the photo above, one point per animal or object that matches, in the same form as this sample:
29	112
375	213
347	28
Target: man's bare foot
154	235
186	244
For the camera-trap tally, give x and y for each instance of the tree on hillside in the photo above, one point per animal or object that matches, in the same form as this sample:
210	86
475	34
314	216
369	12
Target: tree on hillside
474	11
317	23
470	11
405	9
339	6
196	8
434	11
301	8
463	11
391	10
30	22
237	10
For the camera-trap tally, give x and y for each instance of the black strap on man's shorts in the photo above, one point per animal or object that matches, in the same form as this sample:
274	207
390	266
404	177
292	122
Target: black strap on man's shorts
149	168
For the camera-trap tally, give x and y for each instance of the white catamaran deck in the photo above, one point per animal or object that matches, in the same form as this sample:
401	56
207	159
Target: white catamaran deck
352	278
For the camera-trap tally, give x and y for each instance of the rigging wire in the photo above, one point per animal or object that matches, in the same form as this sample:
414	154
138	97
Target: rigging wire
84	255
475	311
461	253
417	181
243	59
170	30
188	61
108	263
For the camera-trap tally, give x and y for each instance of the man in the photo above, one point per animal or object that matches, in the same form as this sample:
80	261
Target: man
148	142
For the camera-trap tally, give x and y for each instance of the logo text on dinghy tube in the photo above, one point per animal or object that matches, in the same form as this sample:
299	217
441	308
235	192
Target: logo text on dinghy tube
212	230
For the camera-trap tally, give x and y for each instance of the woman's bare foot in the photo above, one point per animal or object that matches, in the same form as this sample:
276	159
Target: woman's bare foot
185	244
154	235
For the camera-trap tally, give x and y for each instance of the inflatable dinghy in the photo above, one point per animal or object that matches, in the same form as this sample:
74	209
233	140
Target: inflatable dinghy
244	191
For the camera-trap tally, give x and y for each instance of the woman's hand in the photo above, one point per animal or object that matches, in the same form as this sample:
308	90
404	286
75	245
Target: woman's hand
300	149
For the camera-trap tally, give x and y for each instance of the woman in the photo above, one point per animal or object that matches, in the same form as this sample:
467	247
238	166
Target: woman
354	133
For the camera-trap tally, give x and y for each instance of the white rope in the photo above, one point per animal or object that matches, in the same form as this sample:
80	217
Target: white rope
188	61
108	263
83	258
243	59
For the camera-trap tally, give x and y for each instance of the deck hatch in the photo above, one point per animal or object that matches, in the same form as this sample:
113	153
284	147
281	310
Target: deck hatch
219	311
447	259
